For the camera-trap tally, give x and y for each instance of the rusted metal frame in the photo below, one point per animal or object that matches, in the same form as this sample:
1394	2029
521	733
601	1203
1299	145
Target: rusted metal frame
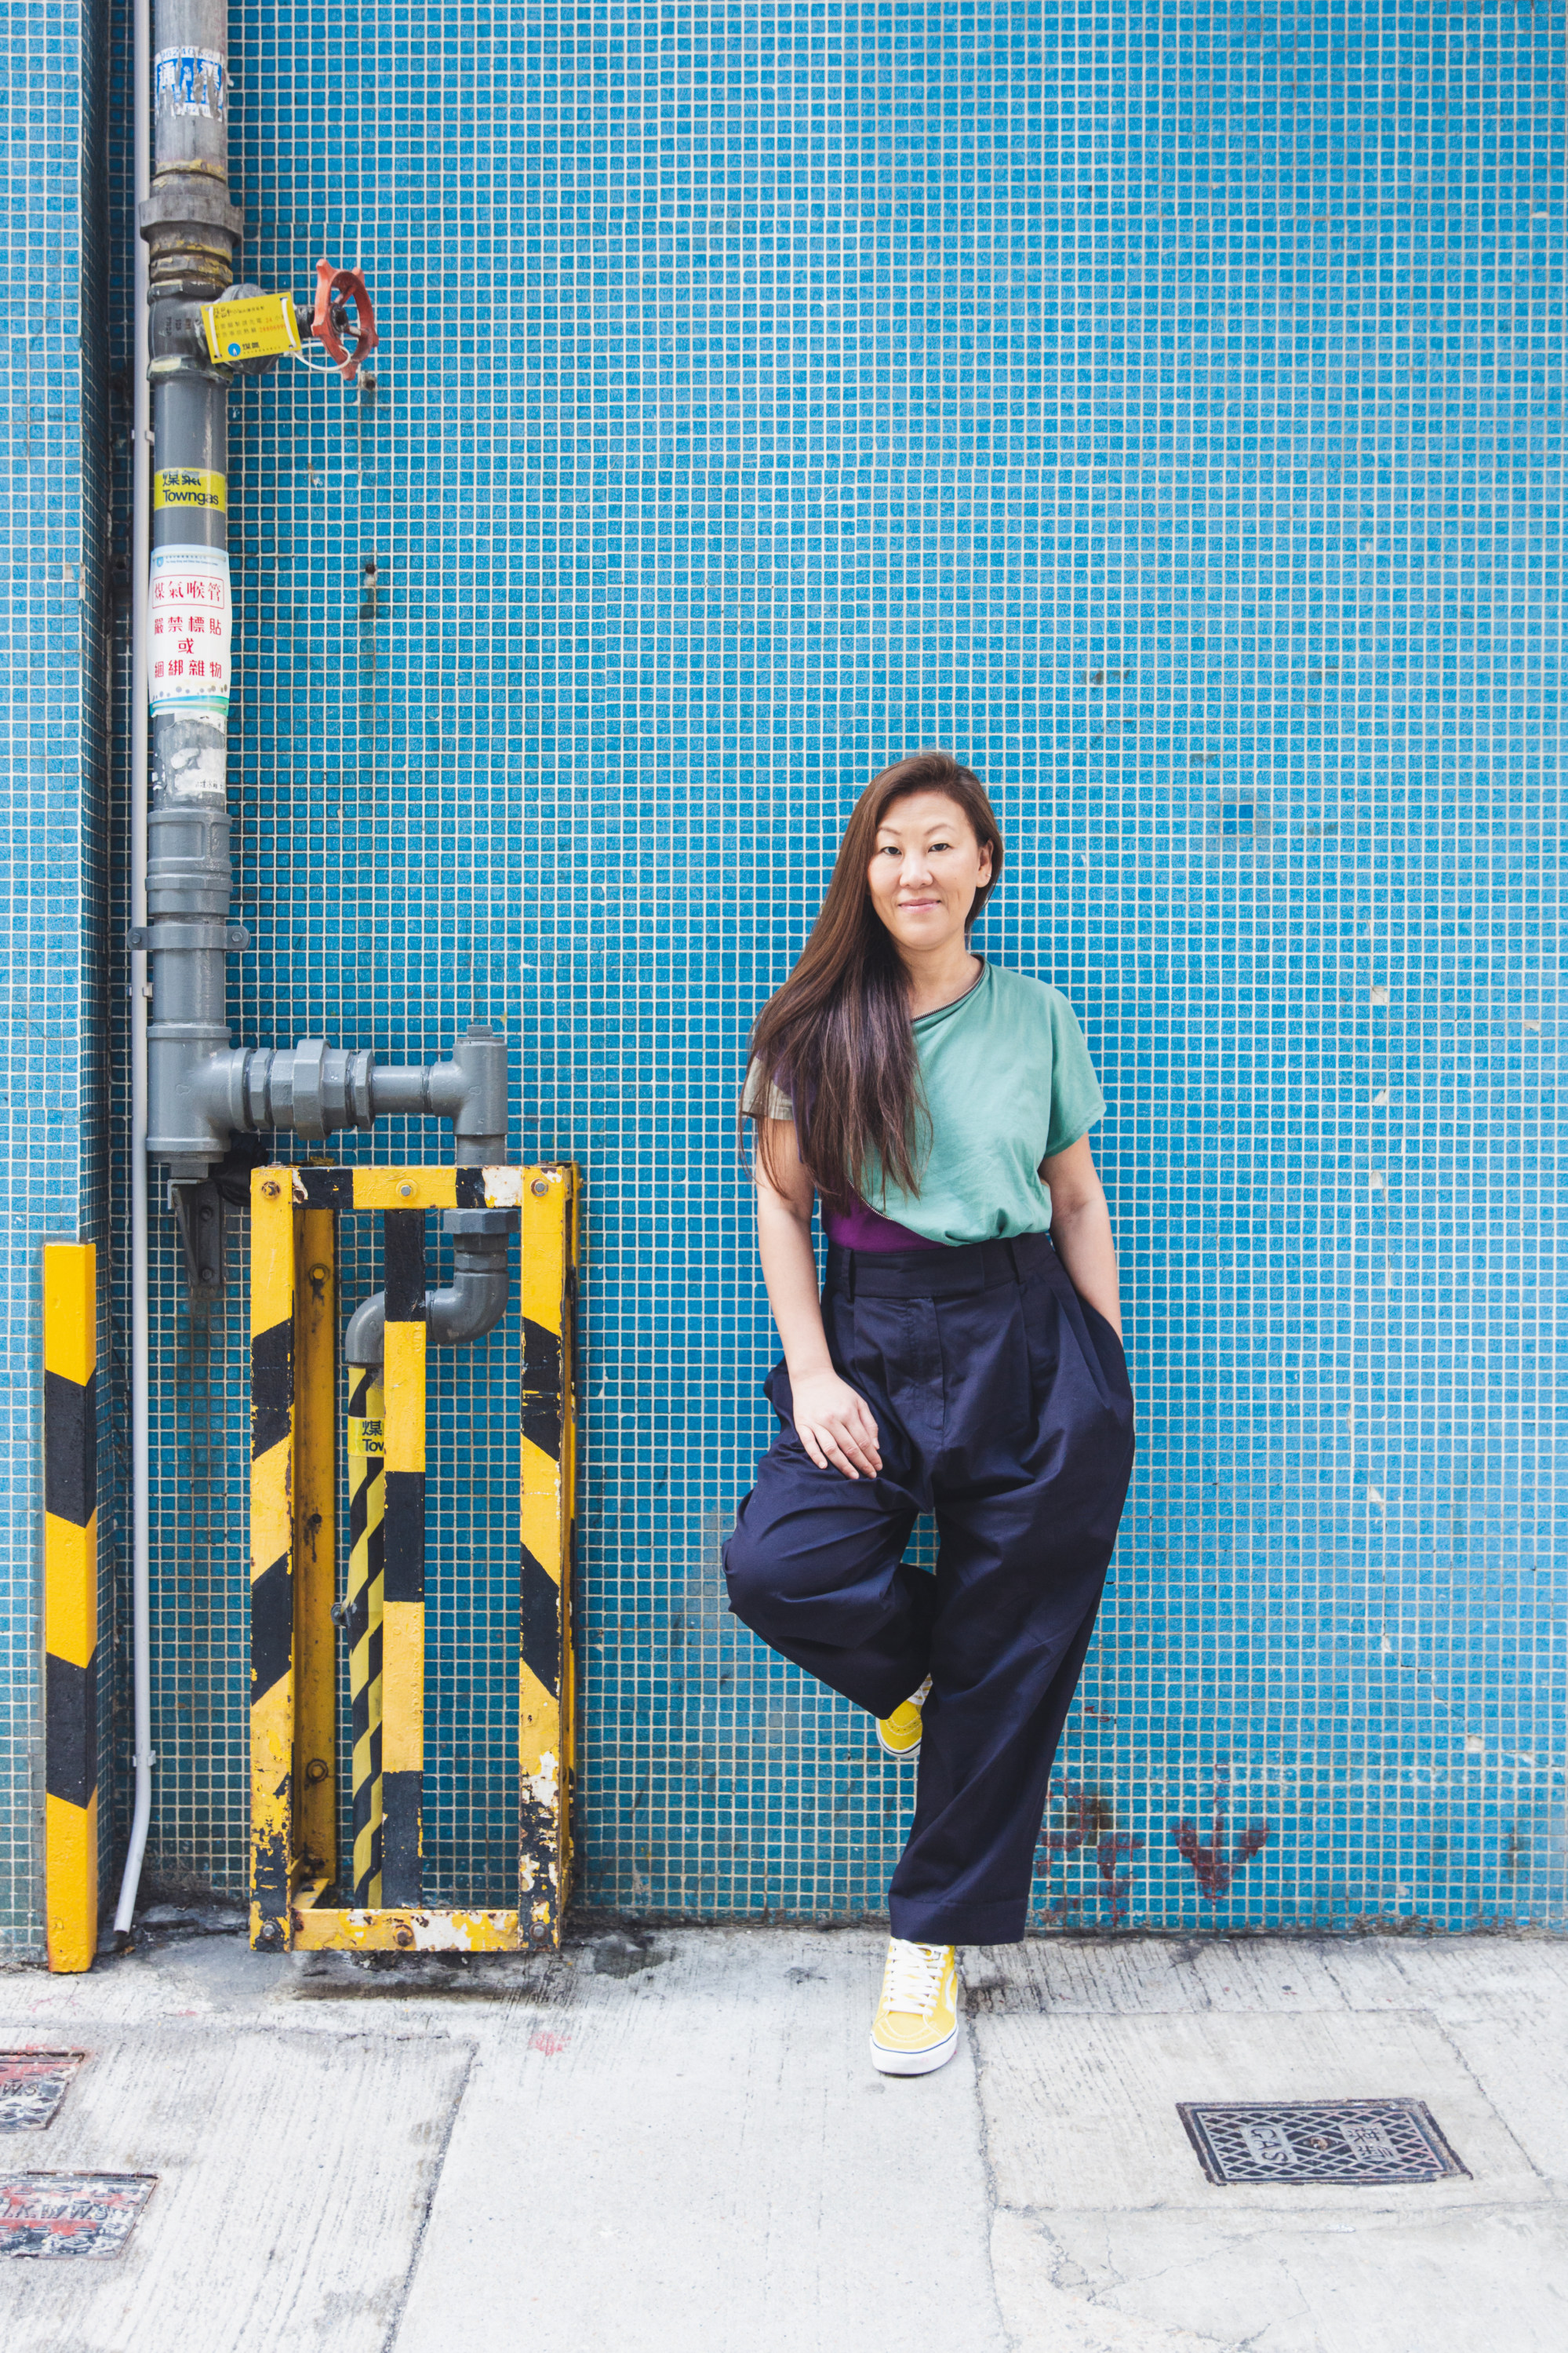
549	1197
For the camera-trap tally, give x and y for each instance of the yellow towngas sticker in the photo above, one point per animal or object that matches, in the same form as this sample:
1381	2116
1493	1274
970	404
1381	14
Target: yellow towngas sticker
259	327
190	486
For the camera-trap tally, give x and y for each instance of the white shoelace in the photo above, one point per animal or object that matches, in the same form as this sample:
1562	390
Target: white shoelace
913	1977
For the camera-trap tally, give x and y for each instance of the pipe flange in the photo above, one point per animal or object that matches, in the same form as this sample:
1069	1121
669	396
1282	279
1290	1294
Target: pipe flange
309	1065
358	1070
184	203
480	1221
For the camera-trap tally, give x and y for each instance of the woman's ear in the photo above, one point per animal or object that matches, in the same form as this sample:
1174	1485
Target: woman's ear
984	875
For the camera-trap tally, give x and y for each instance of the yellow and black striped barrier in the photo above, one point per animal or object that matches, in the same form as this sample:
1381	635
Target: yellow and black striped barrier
70	1603
274	1243
363	1624
315	1539
548	1486
293	1870
402	1573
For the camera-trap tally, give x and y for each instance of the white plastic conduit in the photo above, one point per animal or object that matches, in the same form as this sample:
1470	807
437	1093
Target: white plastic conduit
140	552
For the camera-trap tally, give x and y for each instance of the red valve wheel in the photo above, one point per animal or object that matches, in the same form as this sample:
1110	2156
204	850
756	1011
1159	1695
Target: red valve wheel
345	284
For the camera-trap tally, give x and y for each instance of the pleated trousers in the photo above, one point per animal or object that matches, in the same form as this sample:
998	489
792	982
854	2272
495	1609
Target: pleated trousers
1002	1406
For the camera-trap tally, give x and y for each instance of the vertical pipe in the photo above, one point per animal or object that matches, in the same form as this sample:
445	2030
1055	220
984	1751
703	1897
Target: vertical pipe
190	229
142	1759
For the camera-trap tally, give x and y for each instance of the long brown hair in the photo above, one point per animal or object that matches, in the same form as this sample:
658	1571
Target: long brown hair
838	1036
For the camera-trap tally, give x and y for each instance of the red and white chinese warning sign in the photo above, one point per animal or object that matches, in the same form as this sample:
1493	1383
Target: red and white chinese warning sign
188	657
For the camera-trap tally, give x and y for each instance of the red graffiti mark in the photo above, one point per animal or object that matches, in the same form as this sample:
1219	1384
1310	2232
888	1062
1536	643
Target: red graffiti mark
1213	1870
552	2045
1111	1849
1081	1828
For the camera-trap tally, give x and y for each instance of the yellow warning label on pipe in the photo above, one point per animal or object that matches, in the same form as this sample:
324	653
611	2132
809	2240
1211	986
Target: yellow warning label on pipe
190	486
257	327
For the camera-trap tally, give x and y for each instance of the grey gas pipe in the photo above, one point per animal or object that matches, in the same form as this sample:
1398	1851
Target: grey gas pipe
201	1089
192	1090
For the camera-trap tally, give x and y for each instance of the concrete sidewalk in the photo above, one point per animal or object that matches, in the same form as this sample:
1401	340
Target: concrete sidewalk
676	2140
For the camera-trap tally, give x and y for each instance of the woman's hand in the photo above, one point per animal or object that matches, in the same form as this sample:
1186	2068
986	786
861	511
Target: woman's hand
834	1424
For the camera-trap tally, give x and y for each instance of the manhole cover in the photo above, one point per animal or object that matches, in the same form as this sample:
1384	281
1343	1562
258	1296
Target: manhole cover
1353	2141
70	2213
32	2085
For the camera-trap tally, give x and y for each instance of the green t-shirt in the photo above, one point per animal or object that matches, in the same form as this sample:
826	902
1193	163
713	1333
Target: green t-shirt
1008	1082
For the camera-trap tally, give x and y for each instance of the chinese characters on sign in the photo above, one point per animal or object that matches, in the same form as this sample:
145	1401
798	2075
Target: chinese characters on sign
188	656
189	81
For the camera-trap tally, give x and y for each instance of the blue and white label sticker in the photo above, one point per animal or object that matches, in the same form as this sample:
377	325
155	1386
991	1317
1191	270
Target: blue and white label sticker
190	81
188	658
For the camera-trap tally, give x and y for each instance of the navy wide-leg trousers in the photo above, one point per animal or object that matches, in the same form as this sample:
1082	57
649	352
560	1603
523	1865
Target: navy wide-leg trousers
1002	1404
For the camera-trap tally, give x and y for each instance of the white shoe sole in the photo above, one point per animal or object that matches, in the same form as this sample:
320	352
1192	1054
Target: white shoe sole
913	2062
887	1750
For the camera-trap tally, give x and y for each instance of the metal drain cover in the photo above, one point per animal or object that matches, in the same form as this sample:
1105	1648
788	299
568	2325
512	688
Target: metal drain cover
1362	2142
32	2085
70	2213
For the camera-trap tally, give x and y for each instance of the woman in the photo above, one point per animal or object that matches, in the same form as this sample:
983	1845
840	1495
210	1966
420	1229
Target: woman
964	1358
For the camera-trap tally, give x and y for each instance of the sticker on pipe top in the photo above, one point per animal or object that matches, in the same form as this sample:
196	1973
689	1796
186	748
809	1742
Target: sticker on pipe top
190	81
188	657
190	486
257	327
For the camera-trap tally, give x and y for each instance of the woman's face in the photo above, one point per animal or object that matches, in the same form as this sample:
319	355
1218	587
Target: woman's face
925	870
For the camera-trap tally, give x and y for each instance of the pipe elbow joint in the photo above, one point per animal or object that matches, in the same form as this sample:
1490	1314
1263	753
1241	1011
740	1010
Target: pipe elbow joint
365	1343
476	1299
467	1307
459	1311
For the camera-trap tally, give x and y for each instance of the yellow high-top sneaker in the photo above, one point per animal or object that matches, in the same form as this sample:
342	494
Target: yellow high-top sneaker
899	1735
916	2025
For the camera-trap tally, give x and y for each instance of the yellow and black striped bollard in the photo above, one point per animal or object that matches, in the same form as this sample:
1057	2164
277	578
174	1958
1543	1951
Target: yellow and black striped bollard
363	1624
70	1603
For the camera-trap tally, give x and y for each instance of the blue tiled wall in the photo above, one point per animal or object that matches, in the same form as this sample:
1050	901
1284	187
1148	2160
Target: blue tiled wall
1161	409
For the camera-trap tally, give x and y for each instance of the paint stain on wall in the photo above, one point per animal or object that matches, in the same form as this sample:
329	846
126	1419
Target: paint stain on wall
1211	1868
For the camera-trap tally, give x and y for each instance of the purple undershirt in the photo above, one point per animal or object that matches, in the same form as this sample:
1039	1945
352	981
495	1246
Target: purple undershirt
862	1229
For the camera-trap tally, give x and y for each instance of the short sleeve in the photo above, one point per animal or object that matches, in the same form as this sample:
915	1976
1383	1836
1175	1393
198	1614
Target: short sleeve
1076	1100
762	1100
